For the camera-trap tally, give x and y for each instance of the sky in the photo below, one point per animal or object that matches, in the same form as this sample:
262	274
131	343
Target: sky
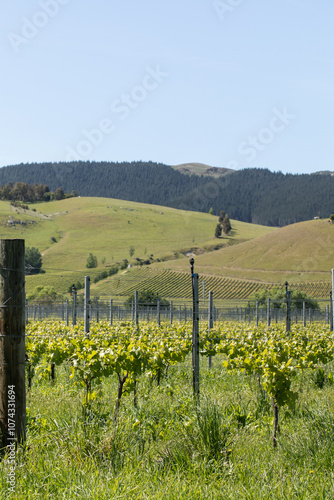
229	83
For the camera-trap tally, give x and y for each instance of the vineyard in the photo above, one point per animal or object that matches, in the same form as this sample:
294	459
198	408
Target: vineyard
169	284
124	404
131	352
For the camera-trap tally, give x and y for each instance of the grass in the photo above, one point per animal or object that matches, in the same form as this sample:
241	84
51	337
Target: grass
301	252
108	227
167	448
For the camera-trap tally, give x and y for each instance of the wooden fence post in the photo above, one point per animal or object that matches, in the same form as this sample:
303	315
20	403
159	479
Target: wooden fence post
12	343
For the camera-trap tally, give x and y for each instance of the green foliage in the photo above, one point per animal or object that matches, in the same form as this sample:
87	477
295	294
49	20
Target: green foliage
44	295
221	216
277	297
91	261
131	251
23	192
101	276
226	225
78	286
168	447
33	260
59	194
124	264
218	231
251	195
147	298
211	211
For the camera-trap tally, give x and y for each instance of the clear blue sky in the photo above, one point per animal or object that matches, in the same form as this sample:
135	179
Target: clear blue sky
230	83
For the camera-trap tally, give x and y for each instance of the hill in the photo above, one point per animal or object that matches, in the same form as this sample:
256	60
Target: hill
301	252
257	196
250	258
66	231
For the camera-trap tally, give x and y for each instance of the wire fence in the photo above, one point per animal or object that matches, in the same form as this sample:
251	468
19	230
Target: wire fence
111	311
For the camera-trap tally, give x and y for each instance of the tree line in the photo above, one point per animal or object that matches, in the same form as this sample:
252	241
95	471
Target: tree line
23	192
250	195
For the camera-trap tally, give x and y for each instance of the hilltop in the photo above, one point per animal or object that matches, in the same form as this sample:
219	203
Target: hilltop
252	195
202	169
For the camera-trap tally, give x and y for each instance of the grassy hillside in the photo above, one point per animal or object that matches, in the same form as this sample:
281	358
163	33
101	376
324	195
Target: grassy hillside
201	169
233	267
298	253
107	228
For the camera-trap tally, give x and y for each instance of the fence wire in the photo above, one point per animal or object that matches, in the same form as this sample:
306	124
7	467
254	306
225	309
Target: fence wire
110	311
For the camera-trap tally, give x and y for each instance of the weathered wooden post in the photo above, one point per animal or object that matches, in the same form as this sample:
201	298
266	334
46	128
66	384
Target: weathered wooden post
171	312
12	343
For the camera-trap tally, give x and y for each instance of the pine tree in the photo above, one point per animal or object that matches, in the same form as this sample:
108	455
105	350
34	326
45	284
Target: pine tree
218	231
221	217
226	225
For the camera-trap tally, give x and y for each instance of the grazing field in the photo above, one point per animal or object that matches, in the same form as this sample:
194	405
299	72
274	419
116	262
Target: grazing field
302	252
66	231
161	444
249	258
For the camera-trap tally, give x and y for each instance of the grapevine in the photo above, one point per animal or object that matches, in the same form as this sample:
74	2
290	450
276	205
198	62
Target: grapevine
130	352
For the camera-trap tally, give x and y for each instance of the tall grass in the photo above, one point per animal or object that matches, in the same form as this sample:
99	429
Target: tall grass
169	448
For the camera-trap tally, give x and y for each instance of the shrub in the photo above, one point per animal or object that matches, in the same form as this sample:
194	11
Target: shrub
91	261
33	260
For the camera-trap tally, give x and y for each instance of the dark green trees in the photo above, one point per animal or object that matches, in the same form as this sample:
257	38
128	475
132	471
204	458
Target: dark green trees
33	260
218	231
147	298
223	224
91	261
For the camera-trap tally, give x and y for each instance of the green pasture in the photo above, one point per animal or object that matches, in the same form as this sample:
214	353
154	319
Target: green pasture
302	252
108	227
234	266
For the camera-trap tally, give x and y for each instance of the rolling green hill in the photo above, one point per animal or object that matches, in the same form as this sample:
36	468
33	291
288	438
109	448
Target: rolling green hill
250	195
302	252
250	258
107	228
